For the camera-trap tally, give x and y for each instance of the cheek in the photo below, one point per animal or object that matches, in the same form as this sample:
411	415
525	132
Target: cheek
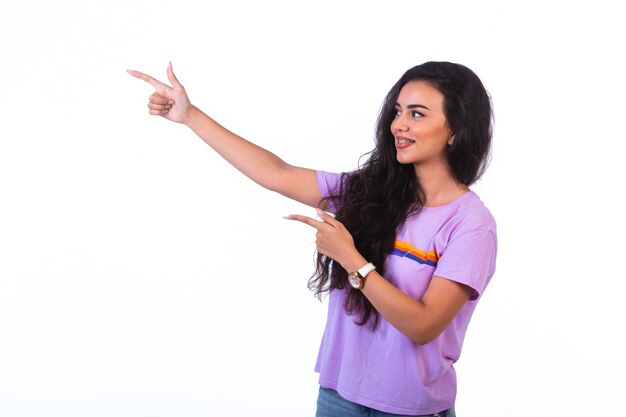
433	132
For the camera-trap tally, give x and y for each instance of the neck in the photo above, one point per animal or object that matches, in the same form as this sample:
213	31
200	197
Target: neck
438	184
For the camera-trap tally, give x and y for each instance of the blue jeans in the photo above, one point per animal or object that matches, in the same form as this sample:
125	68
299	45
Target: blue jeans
331	404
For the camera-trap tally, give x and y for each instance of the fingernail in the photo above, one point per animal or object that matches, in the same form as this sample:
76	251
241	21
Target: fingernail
287	217
320	212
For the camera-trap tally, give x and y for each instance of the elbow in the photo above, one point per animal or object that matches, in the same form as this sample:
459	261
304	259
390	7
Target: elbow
422	335
275	180
422	339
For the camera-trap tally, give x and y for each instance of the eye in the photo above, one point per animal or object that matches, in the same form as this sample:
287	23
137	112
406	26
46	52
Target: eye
397	112
416	114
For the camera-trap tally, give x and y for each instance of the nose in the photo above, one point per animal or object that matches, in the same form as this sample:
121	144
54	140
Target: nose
399	125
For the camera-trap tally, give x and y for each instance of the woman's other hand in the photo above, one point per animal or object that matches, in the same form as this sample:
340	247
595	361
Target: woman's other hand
172	102
333	240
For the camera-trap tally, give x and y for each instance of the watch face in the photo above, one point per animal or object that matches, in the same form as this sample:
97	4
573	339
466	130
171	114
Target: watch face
354	281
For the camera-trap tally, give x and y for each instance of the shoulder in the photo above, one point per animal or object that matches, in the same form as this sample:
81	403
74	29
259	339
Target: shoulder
472	214
327	181
466	214
331	183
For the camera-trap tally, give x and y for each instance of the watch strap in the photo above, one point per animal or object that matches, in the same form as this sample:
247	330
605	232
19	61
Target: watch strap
364	270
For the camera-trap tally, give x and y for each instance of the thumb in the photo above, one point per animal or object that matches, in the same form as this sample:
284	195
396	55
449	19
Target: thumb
170	75
326	217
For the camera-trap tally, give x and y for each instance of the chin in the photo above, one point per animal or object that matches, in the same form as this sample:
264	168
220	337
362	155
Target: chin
406	161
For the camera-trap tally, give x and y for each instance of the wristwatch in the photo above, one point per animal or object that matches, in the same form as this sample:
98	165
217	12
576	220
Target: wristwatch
357	278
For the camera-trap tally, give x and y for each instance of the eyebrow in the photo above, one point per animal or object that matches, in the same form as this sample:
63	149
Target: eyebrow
414	106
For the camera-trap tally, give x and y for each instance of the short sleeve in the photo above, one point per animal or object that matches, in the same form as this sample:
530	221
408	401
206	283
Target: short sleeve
329	184
470	259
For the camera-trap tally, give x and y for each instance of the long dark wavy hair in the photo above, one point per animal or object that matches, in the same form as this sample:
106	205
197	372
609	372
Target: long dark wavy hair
373	201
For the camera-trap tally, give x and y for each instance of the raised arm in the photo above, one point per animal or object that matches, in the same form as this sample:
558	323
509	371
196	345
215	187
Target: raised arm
258	164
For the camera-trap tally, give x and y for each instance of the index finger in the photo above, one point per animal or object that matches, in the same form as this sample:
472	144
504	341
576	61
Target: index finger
306	220
158	85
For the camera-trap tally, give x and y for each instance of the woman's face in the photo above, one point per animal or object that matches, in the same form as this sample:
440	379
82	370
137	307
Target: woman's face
420	128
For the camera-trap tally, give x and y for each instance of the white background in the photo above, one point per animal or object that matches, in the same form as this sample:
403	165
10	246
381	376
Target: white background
140	275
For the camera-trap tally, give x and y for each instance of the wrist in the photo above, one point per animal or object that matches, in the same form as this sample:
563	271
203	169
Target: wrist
355	262
358	277
191	117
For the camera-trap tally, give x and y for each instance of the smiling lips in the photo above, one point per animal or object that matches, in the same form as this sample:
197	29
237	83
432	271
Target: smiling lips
402	143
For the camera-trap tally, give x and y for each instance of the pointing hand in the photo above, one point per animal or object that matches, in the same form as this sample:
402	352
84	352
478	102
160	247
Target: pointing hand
332	238
170	102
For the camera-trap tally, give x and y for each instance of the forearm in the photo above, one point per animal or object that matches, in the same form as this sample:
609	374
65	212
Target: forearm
419	320
402	311
260	165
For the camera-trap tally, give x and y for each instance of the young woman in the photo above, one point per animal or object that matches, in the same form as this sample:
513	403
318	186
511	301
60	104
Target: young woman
410	250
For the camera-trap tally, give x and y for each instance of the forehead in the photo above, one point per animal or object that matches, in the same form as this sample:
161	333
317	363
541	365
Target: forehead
420	92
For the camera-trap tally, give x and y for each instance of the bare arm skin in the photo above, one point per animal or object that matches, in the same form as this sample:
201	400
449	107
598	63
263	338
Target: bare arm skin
420	320
258	164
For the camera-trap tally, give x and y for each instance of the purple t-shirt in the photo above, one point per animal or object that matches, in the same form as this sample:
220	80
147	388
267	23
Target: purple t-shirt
383	369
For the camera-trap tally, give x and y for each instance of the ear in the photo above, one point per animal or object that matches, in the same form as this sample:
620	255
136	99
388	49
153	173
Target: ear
451	140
